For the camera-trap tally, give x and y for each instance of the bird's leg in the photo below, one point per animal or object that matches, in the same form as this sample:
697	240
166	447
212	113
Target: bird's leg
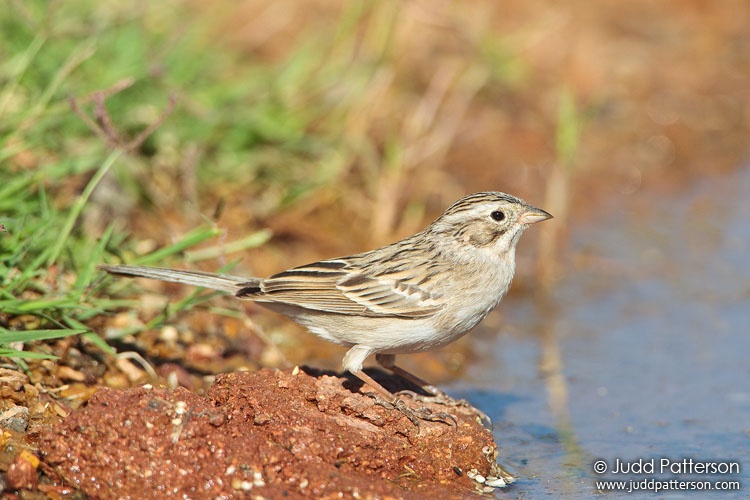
388	361
352	363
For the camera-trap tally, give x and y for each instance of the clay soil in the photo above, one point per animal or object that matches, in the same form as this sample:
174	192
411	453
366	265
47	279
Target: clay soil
270	433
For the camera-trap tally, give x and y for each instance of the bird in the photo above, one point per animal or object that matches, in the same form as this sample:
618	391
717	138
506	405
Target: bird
414	295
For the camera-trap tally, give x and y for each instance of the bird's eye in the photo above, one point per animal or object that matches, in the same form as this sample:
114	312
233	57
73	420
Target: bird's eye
497	215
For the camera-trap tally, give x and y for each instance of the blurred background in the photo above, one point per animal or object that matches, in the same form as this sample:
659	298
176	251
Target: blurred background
255	136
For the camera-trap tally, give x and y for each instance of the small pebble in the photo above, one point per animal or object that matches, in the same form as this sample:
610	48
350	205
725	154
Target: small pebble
68	373
132	372
59	410
496	482
216	418
180	407
169	334
258	479
238	484
22	473
15	419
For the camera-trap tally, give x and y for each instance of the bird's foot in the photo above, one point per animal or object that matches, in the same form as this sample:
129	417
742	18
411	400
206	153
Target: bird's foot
414	414
442	398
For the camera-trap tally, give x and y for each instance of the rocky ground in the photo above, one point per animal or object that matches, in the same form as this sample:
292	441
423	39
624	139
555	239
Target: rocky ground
270	433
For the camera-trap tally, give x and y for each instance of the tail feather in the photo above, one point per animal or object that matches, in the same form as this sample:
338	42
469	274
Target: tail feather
231	284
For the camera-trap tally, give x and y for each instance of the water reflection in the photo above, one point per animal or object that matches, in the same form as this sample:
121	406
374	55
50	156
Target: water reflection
641	351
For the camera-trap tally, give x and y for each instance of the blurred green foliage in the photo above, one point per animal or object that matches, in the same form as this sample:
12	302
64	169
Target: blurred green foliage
248	120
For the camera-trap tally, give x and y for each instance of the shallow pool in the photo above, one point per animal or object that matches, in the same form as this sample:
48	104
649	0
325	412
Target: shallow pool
642	353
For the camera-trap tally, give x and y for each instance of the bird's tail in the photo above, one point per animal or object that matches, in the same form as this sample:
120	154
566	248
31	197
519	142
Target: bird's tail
231	284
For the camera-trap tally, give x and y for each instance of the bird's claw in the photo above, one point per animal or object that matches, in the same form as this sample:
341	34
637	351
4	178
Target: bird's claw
444	399
415	414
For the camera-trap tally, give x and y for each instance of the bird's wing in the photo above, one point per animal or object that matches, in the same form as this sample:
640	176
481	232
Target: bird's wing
389	296
335	286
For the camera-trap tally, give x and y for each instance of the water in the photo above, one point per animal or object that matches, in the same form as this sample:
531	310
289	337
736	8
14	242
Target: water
642	352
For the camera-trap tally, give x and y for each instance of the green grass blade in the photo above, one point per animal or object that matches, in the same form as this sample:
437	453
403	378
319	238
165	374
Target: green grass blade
87	271
10	336
76	58
254	240
22	64
15	354
100	343
192	238
89	335
77	208
36	306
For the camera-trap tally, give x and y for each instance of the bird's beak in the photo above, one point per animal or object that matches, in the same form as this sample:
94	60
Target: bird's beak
534	215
